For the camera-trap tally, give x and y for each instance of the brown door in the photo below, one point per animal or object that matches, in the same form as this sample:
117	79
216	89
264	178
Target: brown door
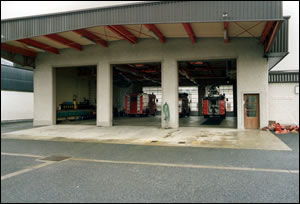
251	111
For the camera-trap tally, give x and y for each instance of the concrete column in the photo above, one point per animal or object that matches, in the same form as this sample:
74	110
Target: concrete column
169	76
104	94
44	95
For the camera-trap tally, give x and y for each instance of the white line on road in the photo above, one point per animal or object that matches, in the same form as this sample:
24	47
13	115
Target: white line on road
147	163
189	166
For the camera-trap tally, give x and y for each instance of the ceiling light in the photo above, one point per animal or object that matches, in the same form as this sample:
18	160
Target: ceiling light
35	48
196	62
92	42
225	15
153	34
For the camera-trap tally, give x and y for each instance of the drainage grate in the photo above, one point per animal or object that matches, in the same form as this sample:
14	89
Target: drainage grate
181	142
55	158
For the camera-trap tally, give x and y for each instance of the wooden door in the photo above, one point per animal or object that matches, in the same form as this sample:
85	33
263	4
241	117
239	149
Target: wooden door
251	111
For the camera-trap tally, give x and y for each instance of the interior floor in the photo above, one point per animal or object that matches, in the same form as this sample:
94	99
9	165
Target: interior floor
192	121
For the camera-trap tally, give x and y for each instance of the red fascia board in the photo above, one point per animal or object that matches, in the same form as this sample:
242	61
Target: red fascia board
39	45
266	31
17	50
91	37
190	32
64	41
154	29
123	32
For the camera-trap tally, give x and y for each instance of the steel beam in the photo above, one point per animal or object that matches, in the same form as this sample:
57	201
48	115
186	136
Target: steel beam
156	31
190	32
266	31
142	75
17	50
268	45
91	36
39	45
184	73
123	33
64	41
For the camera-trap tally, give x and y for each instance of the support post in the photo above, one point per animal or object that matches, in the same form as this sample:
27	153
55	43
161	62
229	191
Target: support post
169	76
104	94
44	95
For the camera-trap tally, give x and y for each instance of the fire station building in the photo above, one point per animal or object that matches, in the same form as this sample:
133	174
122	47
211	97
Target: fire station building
85	62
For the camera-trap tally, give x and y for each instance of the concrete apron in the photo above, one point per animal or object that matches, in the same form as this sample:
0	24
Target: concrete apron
184	136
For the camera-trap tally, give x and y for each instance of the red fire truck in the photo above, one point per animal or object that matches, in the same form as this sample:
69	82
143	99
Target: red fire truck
140	104
214	103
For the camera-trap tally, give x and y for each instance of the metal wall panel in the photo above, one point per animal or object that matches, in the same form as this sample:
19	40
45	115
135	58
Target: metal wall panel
280	41
283	77
14	79
142	13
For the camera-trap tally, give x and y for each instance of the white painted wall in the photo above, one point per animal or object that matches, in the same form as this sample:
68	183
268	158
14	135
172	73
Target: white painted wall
284	103
16	105
252	71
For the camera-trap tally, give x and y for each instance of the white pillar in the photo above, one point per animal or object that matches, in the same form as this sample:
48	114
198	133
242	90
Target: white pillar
169	82
44	95
104	94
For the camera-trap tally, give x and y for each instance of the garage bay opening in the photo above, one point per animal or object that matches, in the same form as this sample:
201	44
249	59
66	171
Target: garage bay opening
76	95
207	93
137	94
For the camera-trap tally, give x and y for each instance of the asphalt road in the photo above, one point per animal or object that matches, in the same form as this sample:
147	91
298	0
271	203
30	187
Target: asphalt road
97	172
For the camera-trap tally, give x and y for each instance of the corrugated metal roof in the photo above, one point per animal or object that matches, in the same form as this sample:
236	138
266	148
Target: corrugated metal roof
15	79
143	13
283	77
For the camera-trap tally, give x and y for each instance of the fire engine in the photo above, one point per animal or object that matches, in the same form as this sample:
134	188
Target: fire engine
214	103
183	105
140	104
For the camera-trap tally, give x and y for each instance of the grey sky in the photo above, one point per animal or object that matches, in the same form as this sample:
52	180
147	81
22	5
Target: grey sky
12	9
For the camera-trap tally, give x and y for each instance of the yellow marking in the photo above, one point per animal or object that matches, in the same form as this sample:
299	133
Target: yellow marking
25	170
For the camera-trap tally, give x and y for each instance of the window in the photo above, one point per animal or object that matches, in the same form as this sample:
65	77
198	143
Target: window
228	91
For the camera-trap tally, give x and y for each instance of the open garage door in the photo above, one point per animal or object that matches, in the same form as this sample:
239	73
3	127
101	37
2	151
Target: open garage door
136	100
76	95
207	93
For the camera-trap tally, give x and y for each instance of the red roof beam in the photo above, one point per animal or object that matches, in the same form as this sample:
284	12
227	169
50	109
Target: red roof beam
123	32
268	45
190	32
39	45
226	38
156	31
17	50
91	36
64	41
266	31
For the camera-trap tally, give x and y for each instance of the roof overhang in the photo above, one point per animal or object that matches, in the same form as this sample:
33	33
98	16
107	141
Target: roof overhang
157	20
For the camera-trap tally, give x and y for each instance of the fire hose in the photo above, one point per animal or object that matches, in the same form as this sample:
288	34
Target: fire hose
166	114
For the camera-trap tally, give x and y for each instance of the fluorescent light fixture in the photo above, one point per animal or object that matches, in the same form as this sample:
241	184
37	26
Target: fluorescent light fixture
153	34
35	48
92	42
